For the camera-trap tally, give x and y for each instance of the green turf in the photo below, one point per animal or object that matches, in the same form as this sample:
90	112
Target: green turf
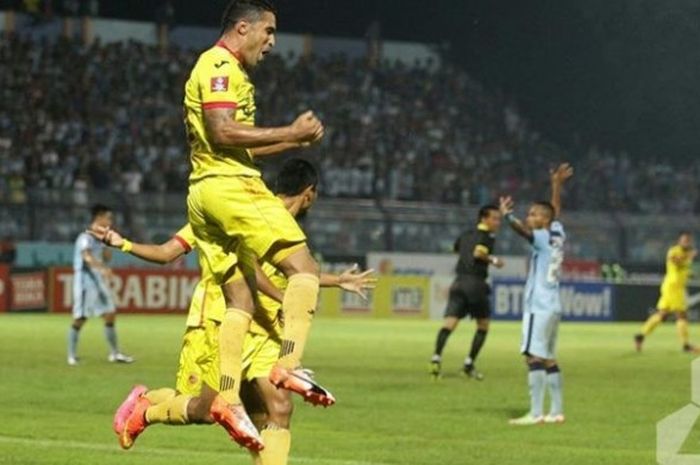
389	412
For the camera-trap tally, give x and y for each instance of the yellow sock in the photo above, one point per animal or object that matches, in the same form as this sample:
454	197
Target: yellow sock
682	328
158	396
299	305
231	336
170	412
651	324
277	445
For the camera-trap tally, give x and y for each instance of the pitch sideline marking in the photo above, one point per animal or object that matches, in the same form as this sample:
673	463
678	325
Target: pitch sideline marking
57	443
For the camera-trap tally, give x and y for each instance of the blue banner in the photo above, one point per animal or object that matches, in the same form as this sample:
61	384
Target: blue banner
580	301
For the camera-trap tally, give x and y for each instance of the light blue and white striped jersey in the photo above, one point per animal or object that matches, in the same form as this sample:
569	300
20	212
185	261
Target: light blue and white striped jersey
83	275
542	286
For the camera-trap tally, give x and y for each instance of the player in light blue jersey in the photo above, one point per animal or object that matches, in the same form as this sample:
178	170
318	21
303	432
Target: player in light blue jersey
91	296
541	301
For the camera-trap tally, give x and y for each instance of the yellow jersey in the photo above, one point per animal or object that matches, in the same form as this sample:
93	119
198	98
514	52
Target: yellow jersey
677	274
208	301
218	80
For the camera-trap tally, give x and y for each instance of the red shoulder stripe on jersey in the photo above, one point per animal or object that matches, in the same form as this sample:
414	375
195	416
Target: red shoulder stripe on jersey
214	105
183	243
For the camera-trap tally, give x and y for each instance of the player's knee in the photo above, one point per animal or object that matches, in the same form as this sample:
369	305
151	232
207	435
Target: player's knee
552	366
78	323
238	295
280	411
450	324
483	325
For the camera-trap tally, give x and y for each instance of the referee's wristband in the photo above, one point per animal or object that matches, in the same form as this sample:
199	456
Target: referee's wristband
510	217
127	245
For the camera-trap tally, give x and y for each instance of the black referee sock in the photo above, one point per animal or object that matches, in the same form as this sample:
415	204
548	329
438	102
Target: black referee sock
477	344
442	337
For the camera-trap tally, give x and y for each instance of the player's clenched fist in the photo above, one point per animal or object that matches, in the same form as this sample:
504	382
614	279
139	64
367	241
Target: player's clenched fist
307	128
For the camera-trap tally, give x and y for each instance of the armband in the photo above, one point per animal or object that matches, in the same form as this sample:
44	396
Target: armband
127	246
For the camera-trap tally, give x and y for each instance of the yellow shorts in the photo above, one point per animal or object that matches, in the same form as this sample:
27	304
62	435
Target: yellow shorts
199	359
260	353
673	301
227	212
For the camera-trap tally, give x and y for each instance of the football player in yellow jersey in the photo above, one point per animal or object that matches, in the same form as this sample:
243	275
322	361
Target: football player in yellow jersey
235	218
679	260
198	373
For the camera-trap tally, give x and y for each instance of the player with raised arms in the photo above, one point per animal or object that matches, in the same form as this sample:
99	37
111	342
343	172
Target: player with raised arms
542	302
235	218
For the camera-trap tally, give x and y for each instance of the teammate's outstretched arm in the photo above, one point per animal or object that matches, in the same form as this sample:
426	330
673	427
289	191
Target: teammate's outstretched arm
161	254
507	206
224	131
168	252
351	280
558	178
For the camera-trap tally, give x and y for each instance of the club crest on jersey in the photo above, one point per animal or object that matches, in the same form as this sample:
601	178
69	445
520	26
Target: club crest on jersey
219	84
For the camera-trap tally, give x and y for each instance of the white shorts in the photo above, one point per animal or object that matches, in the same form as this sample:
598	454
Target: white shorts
90	298
540	332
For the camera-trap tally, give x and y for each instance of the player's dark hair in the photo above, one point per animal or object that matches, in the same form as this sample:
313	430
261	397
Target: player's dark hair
549	208
99	209
685	233
295	176
244	9
486	210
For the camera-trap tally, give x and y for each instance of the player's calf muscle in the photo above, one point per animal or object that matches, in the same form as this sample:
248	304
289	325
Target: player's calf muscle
280	409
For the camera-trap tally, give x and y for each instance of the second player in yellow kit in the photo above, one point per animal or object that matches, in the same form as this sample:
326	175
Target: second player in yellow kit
673	300
198	370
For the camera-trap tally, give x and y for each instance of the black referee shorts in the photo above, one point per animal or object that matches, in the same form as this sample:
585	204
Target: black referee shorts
469	296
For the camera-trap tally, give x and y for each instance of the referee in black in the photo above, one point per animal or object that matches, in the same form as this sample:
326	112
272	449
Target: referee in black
469	293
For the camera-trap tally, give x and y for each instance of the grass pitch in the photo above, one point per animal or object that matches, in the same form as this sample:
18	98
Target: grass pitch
388	411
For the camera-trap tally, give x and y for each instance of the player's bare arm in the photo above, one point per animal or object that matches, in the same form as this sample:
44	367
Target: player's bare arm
276	149
507	207
351	280
224	131
168	252
558	178
95	264
161	254
266	286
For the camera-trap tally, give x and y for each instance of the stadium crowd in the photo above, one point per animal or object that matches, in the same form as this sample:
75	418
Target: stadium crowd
110	117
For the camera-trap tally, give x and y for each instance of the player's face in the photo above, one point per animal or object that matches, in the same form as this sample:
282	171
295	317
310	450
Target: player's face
260	39
105	220
686	241
310	196
493	220
537	217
